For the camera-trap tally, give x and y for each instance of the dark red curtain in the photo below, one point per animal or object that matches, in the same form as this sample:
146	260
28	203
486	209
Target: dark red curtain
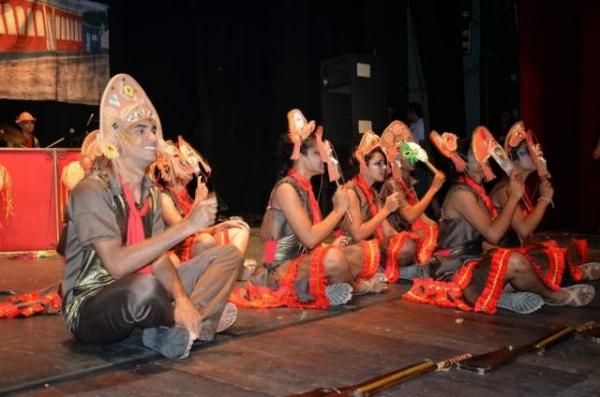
559	72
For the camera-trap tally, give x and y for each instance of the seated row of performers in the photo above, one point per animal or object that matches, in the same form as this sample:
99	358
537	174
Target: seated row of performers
479	257
119	274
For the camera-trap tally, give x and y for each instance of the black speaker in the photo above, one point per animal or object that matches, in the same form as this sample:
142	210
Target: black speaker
353	99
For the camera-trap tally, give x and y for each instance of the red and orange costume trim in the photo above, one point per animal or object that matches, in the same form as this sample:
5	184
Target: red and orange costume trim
285	251
427	234
450	293
395	243
31	303
263	297
371	257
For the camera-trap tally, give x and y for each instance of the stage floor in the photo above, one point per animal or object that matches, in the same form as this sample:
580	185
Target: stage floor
285	351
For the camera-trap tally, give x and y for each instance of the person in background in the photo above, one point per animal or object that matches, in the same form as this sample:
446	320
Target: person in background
26	123
414	115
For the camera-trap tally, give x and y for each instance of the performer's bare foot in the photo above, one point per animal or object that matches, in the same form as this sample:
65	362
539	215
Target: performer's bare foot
575	295
591	271
375	284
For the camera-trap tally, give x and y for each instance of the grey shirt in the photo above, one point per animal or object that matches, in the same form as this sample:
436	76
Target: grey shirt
93	208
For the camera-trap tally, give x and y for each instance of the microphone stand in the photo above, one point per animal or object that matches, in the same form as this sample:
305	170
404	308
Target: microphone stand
56	142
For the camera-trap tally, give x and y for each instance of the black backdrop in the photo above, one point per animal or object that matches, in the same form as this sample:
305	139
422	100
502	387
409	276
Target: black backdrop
224	74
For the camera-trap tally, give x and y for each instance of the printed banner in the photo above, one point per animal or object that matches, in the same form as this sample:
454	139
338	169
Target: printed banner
53	50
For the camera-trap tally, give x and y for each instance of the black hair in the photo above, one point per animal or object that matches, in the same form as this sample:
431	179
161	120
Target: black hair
284	152
355	165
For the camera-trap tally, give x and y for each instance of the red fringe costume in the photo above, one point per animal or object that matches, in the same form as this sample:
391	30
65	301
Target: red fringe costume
371	256
393	245
262	297
549	258
26	305
427	233
275	284
450	293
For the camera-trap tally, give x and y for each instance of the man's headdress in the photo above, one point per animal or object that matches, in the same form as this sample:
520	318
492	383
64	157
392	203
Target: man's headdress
124	103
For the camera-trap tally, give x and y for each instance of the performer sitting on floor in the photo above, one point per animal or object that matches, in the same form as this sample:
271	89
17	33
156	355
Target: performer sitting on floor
299	270
173	171
117	275
369	214
410	215
468	278
553	256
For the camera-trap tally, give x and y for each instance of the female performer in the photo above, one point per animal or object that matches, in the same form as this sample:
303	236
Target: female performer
468	278
299	269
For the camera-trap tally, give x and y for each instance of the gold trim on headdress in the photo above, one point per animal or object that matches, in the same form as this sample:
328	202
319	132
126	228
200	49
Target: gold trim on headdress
368	143
299	129
124	103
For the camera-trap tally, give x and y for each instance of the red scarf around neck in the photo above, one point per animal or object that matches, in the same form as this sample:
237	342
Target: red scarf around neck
373	208
315	211
135	226
480	191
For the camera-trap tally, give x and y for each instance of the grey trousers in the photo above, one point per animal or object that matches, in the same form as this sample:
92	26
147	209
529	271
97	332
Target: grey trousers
139	300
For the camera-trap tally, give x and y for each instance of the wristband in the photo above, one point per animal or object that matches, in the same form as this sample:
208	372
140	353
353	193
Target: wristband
546	199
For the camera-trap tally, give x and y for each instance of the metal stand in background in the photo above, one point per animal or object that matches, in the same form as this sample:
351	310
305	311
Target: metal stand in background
56	142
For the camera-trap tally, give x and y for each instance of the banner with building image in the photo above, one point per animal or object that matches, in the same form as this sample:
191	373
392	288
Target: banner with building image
53	50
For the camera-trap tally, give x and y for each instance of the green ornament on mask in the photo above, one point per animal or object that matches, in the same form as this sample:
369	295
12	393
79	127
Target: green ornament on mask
413	152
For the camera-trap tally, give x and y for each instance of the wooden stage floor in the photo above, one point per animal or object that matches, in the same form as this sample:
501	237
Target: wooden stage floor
284	351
